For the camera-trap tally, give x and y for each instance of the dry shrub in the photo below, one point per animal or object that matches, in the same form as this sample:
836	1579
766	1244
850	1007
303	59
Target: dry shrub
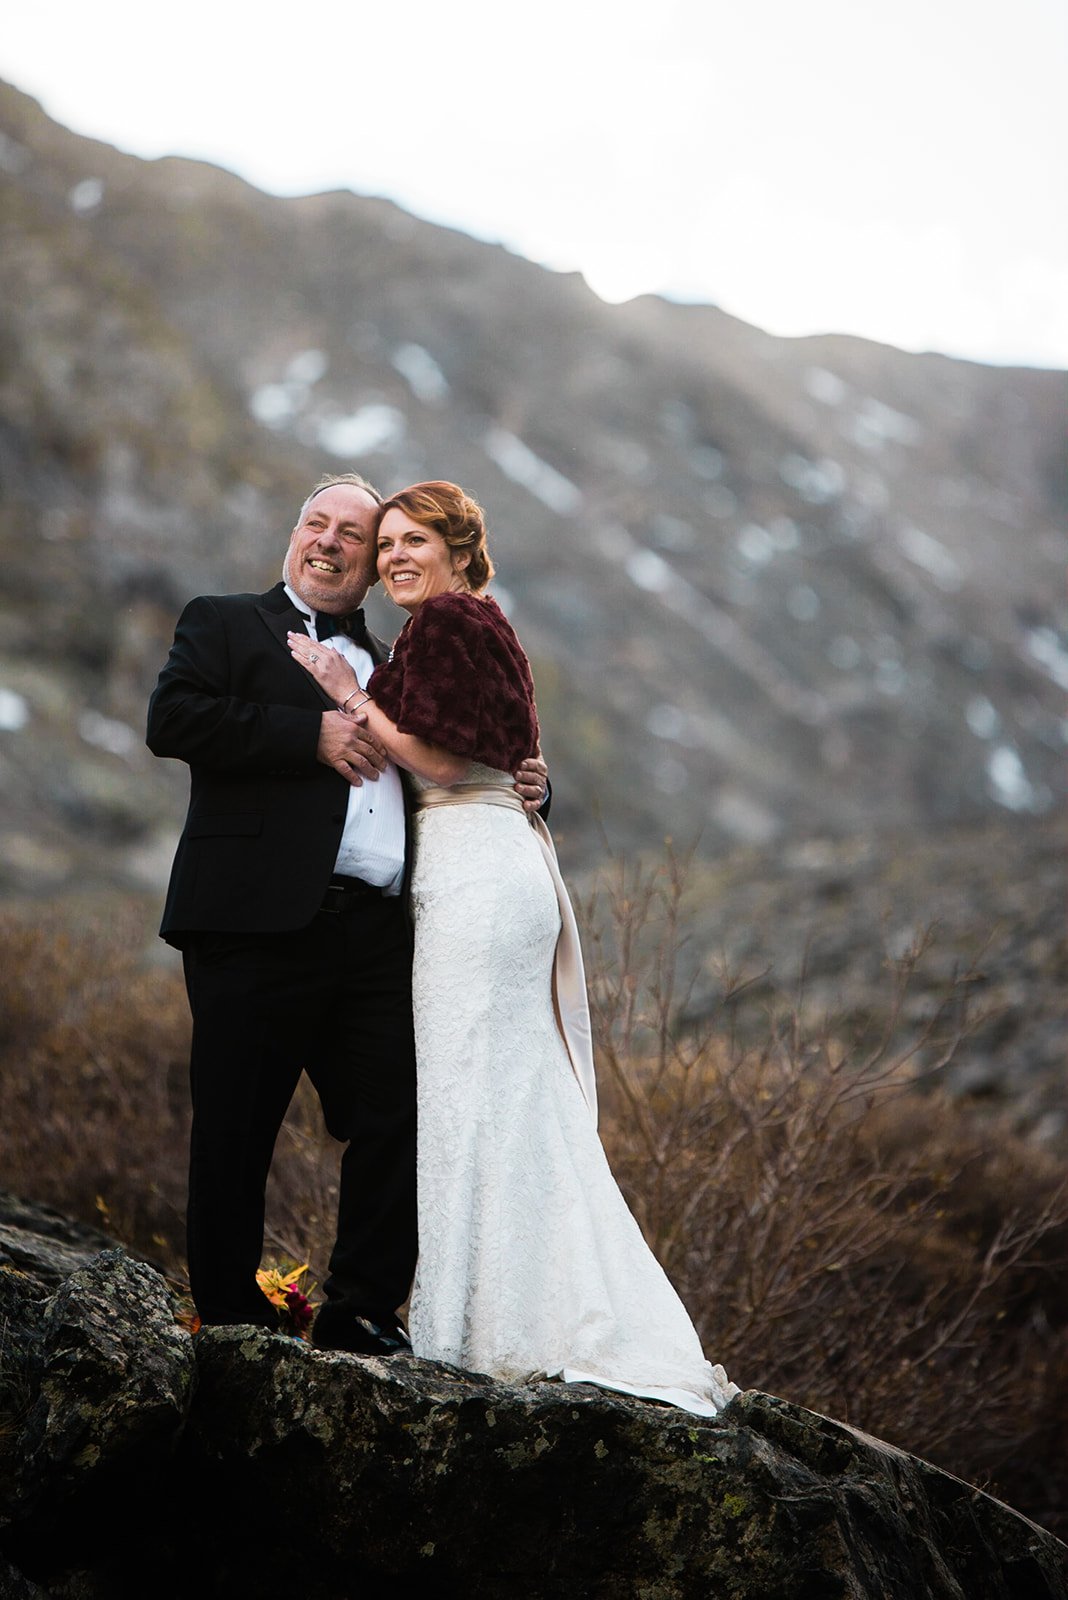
94	1099
92	1086
842	1233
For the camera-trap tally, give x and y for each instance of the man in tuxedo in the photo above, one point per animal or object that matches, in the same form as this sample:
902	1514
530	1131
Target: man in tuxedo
287	900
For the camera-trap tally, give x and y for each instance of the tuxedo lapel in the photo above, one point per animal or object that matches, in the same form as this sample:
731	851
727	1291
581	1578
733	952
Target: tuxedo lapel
281	617
379	649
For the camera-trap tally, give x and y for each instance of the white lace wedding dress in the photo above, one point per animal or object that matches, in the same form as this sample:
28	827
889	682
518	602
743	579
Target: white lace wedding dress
529	1261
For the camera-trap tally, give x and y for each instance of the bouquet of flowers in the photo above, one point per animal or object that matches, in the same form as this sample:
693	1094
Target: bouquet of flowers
282	1288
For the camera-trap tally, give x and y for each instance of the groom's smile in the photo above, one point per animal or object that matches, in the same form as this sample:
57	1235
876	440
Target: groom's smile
330	560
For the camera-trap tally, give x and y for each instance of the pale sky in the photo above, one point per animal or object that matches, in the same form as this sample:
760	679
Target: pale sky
891	169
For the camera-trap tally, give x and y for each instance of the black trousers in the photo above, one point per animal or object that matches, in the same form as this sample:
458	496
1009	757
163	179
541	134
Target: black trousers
334	1000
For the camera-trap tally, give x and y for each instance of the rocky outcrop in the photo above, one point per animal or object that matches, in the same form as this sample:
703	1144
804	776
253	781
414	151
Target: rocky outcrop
140	1461
96	1381
409	1468
43	1245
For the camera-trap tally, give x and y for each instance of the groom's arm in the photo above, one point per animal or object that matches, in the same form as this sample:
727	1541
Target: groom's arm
194	716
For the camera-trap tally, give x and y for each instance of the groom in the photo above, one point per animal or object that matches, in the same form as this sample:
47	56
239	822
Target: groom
287	900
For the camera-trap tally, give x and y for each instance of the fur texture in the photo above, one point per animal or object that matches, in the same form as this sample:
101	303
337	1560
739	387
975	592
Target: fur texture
459	679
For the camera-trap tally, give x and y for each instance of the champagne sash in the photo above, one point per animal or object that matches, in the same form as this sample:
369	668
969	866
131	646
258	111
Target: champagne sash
569	979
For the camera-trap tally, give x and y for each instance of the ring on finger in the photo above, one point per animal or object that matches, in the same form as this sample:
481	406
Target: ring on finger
312	656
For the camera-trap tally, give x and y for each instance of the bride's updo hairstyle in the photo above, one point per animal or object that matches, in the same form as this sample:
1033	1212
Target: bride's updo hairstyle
452	513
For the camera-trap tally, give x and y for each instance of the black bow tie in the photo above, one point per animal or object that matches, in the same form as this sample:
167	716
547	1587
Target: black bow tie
353	626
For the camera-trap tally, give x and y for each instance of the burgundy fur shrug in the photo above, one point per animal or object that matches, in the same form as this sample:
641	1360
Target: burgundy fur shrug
458	678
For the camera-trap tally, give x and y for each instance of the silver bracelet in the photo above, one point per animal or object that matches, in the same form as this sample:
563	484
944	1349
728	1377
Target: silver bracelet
347	709
348	697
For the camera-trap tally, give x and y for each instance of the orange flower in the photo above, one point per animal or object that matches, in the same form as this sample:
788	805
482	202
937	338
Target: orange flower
282	1288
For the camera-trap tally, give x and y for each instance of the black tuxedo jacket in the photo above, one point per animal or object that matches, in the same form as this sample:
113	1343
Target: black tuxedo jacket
265	816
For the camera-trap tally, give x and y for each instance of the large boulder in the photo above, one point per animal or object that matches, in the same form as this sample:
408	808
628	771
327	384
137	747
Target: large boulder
139	1461
115	1377
467	1486
96	1380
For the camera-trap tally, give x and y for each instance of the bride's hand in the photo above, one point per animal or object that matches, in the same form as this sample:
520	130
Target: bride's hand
330	670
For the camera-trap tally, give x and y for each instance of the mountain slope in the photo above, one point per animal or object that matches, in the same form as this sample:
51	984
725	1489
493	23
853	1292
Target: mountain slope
767	585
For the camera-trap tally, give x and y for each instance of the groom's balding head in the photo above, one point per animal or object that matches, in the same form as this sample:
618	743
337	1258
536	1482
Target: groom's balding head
330	479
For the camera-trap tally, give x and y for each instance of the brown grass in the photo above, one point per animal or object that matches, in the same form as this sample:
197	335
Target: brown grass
94	1104
841	1233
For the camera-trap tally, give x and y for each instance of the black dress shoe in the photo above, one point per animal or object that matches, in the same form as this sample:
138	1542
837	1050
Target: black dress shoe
360	1335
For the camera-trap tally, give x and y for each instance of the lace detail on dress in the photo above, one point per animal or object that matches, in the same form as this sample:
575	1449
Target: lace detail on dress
530	1262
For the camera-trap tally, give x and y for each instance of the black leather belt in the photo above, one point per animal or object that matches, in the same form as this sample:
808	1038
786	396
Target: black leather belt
344	894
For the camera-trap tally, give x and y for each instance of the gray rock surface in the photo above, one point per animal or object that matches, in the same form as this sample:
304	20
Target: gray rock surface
116	1375
14	1586
40	1242
478	1488
238	1462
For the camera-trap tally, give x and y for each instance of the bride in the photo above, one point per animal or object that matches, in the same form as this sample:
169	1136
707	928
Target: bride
529	1260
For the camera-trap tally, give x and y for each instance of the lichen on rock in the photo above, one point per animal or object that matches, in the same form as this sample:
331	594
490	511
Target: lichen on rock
147	1462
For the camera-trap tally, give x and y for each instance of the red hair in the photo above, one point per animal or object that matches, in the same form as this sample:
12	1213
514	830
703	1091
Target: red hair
459	519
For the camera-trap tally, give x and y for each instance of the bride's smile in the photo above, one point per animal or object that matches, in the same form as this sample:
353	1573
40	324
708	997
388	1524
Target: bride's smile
415	562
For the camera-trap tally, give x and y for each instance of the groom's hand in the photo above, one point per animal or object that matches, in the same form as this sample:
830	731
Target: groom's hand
350	748
532	783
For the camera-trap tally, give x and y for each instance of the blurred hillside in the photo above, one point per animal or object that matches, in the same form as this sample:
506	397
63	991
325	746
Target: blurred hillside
769	587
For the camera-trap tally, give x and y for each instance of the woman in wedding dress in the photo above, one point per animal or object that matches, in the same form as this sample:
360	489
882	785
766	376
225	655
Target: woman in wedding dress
530	1262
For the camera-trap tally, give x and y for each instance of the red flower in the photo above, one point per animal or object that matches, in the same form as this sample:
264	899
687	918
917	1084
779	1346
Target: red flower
299	1310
